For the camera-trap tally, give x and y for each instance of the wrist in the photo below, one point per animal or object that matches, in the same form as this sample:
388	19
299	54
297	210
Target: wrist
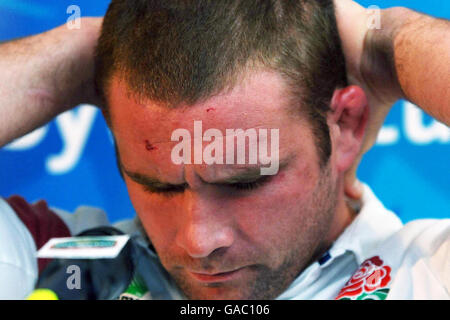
378	65
77	86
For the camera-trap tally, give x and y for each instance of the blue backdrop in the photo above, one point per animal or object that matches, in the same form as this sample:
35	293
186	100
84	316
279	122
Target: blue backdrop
70	162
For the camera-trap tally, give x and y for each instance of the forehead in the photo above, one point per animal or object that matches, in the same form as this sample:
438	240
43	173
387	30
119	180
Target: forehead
255	92
259	100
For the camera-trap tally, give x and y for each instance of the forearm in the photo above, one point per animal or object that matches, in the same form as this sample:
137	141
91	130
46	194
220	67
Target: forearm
45	75
422	60
416	48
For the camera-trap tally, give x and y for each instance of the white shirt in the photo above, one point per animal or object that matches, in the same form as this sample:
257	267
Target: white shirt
416	258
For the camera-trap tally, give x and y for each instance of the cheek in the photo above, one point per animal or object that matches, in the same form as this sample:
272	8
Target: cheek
275	214
156	216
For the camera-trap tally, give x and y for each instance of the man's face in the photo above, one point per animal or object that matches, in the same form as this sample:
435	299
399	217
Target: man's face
219	233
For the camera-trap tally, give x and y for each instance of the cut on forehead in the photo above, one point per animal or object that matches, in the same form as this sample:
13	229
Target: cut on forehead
261	88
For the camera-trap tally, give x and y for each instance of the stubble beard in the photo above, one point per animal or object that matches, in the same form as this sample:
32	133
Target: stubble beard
270	283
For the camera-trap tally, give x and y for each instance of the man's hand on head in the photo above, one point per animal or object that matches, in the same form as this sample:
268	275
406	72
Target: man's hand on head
90	31
46	74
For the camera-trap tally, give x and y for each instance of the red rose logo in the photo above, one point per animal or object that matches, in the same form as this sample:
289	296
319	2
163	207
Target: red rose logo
371	275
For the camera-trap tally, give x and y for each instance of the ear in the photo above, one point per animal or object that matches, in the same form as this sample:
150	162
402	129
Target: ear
349	117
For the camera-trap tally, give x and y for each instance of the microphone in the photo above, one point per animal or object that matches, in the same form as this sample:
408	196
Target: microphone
100	279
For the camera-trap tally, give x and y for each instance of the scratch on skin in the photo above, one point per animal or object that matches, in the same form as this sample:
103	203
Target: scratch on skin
149	146
210	109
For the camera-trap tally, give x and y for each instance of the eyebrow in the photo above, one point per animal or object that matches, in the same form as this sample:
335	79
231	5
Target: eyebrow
251	174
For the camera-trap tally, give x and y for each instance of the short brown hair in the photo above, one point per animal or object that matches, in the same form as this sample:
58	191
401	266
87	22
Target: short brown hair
174	51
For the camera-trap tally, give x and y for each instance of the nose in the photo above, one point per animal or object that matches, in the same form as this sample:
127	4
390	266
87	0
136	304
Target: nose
204	228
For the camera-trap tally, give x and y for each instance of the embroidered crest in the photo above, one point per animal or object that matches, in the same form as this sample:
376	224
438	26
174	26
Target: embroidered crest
369	282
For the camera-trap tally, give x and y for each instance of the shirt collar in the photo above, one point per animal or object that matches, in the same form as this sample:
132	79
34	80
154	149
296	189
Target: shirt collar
372	224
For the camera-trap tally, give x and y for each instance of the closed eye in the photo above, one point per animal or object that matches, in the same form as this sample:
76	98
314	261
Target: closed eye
169	190
247	185
153	186
251	185
176	189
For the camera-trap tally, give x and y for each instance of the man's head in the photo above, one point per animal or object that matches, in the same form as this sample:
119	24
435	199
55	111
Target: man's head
184	51
163	64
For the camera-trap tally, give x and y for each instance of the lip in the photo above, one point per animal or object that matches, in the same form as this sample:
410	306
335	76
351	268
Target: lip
216	277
